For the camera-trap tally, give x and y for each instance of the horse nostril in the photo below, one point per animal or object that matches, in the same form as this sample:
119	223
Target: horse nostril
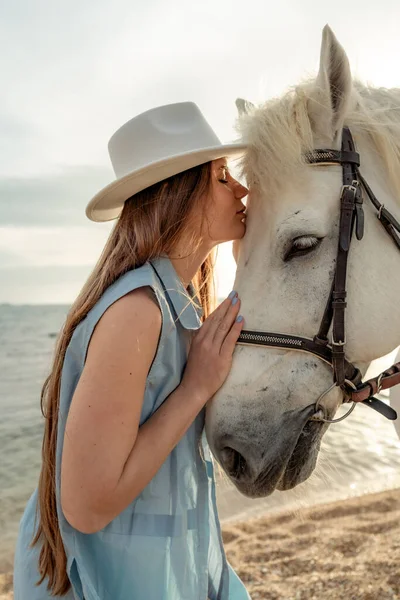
233	462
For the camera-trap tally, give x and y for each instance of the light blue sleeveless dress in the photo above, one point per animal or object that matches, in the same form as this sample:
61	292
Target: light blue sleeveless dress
166	545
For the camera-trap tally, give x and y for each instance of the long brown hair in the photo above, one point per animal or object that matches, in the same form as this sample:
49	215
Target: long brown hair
150	224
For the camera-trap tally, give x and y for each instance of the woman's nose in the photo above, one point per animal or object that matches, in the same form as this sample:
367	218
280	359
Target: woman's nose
241	191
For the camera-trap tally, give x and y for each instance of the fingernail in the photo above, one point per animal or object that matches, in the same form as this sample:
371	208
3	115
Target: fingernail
239	319
234	300
232	294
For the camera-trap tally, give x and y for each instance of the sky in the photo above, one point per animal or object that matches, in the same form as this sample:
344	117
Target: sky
73	72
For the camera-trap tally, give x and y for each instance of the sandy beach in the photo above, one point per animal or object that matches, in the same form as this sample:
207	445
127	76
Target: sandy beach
343	550
347	550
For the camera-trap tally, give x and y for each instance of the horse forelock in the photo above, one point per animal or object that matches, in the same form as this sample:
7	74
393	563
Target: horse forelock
279	132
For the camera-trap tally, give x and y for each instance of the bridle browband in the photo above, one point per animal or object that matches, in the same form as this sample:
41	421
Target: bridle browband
345	374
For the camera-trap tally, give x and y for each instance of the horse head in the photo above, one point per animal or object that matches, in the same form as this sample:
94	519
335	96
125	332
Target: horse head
258	425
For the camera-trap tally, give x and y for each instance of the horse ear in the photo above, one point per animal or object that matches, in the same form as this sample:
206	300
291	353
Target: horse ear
331	99
243	106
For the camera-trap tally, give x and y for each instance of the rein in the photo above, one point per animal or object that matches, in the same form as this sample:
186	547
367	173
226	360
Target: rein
345	374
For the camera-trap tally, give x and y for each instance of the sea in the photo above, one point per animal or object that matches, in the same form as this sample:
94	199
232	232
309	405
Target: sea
358	456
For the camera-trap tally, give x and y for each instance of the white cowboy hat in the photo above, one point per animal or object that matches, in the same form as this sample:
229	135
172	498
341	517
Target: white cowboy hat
153	146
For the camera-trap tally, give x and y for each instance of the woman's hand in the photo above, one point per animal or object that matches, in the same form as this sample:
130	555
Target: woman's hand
210	356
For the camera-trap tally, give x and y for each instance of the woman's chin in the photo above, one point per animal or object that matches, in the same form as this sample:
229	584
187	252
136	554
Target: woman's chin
241	229
236	233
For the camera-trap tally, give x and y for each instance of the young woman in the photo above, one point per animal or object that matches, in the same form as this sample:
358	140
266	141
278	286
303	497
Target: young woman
125	506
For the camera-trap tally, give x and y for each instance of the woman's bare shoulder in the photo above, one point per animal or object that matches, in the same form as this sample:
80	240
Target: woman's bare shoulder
133	318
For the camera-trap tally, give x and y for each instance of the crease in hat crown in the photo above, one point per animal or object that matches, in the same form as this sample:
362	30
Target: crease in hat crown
153	146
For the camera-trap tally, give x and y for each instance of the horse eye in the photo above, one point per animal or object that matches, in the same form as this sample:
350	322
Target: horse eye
302	245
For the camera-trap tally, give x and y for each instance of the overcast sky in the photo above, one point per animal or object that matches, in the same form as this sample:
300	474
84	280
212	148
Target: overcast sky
73	72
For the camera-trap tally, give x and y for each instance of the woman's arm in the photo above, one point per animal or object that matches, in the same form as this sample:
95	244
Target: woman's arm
107	460
103	419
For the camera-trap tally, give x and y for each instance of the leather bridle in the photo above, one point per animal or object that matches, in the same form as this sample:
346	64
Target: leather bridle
345	374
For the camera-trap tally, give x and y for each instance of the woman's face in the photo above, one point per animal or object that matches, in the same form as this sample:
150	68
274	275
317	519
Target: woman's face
224	217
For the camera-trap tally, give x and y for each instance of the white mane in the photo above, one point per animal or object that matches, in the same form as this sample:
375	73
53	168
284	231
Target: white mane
279	131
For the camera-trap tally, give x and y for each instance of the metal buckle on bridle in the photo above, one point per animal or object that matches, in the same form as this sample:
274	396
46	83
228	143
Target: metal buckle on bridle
354	186
379	383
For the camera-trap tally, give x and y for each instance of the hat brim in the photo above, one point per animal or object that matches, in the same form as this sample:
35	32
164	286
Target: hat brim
107	204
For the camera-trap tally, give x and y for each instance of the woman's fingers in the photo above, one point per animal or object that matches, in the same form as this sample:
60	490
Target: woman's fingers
226	322
210	355
211	324
230	340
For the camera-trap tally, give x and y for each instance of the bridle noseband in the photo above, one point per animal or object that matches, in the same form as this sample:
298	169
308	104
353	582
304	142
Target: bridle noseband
345	374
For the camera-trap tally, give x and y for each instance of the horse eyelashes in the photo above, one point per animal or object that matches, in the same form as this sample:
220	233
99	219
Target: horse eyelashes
301	246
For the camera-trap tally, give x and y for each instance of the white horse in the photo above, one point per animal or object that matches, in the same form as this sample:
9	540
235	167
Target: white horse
258	424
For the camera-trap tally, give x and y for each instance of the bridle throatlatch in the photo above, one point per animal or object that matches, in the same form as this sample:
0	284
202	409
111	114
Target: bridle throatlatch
345	374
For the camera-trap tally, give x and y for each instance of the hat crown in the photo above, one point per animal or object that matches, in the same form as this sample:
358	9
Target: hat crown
154	146
157	134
